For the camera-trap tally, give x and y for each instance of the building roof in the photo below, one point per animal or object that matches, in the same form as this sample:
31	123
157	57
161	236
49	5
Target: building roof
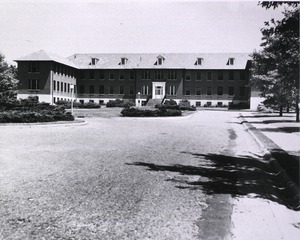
46	56
145	60
170	60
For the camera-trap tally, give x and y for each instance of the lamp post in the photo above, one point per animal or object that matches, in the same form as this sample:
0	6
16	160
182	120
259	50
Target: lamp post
139	99
72	91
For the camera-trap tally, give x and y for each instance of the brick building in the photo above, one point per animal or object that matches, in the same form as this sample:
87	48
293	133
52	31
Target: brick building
203	78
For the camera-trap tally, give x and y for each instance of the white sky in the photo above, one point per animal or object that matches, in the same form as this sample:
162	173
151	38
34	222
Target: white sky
66	27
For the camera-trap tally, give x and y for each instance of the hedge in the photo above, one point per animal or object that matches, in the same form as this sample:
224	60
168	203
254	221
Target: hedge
171	104
67	104
30	110
119	103
135	112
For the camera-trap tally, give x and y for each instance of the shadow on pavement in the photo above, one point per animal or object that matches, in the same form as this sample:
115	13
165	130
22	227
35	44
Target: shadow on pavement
280	129
238	176
290	163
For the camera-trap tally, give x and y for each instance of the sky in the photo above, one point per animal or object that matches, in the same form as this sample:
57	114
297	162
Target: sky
66	27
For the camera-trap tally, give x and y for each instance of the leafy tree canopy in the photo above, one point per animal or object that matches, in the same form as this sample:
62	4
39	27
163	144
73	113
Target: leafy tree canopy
276	66
8	82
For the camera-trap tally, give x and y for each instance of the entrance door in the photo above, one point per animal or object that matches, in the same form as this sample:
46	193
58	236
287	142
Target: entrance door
158	90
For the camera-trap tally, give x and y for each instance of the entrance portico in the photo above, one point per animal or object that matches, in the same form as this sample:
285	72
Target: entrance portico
158	90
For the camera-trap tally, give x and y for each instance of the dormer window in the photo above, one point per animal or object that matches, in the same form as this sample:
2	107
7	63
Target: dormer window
160	60
231	61
124	61
199	61
94	61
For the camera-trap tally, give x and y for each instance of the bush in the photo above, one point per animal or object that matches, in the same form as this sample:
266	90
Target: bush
67	104
119	103
87	105
30	110
171	104
135	112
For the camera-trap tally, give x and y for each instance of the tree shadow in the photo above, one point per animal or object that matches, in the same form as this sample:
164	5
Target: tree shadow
281	129
290	163
238	176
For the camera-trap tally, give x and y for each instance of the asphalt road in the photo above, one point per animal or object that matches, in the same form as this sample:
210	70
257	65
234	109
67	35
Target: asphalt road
121	178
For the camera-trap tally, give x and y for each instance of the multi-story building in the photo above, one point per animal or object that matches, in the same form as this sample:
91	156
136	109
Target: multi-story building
202	78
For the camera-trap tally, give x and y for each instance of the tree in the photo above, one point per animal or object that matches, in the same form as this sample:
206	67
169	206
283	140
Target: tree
8	83
276	66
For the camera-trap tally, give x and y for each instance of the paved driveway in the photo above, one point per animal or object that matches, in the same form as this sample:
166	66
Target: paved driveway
122	178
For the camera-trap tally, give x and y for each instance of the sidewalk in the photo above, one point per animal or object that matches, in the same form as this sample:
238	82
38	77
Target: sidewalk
259	219
279	137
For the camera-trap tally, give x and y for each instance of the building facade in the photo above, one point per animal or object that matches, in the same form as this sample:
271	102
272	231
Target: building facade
204	79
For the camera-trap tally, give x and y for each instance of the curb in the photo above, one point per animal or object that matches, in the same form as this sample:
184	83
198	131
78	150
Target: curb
283	177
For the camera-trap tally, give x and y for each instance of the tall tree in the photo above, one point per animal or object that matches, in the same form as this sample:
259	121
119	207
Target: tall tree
276	66
8	82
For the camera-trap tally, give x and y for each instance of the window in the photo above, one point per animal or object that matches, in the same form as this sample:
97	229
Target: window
198	91
94	61
54	85
230	91
231	75
219	104
187	92
242	91
208	104
55	67
131	90
160	60
81	101
172	90
131	75
123	61
81	89
111	76
58	85
65	87
33	67
121	90
208	91
61	86
146	74
101	75
81	75
111	89
209	76
92	74
199	61
68	87
220	91
198	104
159	75
231	61
172	74
242	75
92	89
54	99
198	77
121	76
220	75
145	90
187	76
101	102
33	84
101	89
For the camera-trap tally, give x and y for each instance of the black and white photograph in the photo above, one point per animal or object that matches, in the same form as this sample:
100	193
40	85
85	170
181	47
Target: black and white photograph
149	120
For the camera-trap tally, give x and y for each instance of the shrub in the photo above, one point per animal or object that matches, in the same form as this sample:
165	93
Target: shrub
135	112
119	103
30	110
88	105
